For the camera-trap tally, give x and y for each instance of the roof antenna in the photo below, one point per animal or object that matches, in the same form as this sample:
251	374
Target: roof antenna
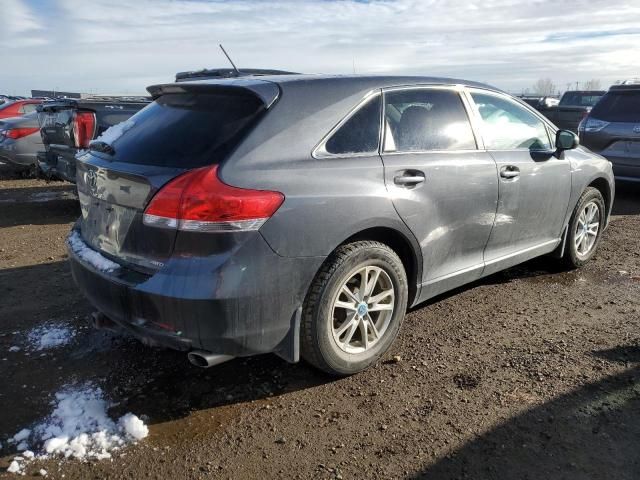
229	58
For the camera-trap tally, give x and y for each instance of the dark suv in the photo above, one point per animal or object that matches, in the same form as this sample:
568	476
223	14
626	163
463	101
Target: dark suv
303	214
612	129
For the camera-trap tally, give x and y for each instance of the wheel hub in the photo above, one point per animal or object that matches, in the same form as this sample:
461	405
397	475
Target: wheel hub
363	308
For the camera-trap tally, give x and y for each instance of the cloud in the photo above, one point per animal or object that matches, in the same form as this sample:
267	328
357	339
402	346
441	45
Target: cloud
118	45
19	25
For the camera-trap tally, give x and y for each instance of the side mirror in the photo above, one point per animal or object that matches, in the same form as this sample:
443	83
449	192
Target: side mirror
566	140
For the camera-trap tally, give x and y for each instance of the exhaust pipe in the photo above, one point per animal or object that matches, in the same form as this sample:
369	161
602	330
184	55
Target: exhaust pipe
204	359
102	322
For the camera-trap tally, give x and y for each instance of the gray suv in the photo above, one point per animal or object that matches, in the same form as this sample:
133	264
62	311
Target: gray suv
612	129
302	215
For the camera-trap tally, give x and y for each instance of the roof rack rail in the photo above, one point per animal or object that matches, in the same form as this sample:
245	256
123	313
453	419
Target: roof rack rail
629	81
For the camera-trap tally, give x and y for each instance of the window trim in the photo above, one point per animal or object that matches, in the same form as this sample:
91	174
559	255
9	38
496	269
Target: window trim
549	127
320	151
459	89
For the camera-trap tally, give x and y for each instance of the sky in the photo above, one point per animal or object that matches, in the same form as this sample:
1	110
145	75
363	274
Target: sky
122	46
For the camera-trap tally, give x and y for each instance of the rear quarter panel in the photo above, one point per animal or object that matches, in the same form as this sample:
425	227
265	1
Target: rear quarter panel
327	200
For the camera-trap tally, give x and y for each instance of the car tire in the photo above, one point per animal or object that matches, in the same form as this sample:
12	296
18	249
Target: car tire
581	243
338	334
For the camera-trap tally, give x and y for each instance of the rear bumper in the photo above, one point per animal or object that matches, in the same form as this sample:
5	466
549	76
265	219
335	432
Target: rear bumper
241	303
58	165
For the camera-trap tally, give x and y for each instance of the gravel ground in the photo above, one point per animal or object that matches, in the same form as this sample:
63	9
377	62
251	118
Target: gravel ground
531	373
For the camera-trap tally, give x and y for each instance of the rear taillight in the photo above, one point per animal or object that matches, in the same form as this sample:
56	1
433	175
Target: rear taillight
198	201
84	128
16	133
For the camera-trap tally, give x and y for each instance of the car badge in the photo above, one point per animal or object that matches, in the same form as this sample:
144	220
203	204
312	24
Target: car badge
636	129
91	179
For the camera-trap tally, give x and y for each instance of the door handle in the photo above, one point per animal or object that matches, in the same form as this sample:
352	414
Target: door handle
409	178
509	171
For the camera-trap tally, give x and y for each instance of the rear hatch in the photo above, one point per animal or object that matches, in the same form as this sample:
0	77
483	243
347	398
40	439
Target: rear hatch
186	127
55	120
618	119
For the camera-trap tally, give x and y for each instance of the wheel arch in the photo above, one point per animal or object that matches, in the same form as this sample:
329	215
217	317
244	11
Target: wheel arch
602	185
403	246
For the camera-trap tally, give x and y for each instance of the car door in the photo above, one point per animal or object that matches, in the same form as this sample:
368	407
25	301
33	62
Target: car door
534	183
442	185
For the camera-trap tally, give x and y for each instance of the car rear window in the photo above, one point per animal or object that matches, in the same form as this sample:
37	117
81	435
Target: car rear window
580	99
185	130
618	107
360	133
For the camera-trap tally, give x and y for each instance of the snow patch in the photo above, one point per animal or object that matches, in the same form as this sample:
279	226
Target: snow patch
51	335
21	435
14	348
133	426
93	258
14	467
114	132
78	427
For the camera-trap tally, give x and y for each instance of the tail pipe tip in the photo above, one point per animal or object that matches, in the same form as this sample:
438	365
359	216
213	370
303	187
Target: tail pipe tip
204	359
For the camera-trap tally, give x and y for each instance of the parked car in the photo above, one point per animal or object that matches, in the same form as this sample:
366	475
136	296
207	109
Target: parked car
302	215
612	129
573	107
69	125
20	140
17	108
10	98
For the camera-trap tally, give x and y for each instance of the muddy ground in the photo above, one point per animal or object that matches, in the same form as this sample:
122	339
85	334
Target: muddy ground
532	373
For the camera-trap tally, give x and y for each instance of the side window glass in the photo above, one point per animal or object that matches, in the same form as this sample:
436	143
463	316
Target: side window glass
360	133
426	119
507	125
28	108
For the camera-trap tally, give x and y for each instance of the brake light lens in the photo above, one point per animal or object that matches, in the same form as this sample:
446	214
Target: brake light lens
84	128
17	133
198	201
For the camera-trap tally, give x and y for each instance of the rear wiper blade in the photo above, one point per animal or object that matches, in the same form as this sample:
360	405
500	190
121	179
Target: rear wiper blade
102	147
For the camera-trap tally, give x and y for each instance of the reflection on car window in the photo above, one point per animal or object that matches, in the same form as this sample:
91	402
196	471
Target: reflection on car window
508	126
426	119
360	133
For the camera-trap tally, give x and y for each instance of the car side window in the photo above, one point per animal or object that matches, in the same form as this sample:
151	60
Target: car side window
360	133
509	126
28	108
426	119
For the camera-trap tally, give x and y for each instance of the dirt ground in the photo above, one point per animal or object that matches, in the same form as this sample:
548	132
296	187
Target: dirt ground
532	373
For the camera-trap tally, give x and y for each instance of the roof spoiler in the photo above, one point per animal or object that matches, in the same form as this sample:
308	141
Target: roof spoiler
266	92
213	73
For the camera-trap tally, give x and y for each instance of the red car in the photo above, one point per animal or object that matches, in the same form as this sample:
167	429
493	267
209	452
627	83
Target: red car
18	108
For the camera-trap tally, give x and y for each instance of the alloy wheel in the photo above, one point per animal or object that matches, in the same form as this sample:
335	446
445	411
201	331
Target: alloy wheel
587	229
362	309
